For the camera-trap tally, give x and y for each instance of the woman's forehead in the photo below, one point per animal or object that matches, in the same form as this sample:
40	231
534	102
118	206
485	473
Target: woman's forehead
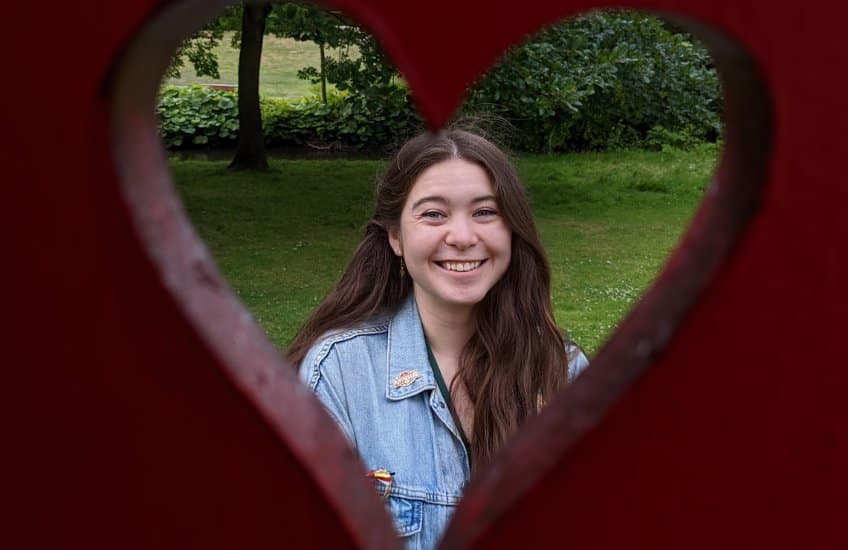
453	180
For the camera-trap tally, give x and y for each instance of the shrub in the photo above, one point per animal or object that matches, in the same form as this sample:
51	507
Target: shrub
602	81
197	116
605	80
661	139
378	122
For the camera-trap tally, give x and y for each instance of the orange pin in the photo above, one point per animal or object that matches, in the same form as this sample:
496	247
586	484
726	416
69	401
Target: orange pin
405	378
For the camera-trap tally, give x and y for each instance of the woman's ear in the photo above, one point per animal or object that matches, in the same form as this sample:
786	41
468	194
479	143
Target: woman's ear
394	240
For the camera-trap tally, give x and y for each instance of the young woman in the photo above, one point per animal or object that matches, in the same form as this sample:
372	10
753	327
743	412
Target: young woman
439	340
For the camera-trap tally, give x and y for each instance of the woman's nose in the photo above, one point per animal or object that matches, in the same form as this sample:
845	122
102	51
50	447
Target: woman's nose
461	233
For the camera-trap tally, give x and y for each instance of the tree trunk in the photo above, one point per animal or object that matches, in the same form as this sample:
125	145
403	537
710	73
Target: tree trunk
323	75
250	153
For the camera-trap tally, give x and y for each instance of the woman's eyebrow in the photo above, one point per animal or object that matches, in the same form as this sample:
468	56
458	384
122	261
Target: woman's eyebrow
443	200
485	198
429	198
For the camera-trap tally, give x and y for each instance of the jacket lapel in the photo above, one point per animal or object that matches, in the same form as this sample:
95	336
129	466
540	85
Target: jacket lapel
409	370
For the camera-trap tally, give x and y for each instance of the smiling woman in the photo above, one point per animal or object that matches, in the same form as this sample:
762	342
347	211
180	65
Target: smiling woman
445	310
452	238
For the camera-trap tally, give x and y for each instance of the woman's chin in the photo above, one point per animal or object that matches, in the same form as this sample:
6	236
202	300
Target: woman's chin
463	299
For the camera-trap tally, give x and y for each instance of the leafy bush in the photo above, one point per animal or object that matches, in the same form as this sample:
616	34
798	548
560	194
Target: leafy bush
661	139
369	121
197	116
347	120
603	81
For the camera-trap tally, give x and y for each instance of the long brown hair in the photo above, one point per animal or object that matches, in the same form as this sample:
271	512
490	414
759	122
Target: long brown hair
516	358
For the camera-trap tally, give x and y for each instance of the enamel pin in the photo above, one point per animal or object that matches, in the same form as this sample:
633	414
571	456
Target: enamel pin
405	378
384	477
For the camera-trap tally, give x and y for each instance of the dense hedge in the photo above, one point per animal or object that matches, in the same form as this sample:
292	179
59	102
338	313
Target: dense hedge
196	116
606	80
602	81
347	120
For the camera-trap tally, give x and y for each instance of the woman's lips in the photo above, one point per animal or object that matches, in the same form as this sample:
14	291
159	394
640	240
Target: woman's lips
460	266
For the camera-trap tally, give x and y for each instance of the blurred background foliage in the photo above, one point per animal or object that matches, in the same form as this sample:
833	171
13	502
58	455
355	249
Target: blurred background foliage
605	80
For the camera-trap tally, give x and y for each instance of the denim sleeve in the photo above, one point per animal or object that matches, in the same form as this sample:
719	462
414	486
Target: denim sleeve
321	371
577	361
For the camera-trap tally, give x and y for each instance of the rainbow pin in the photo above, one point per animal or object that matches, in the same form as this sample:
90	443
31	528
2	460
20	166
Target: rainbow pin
385	477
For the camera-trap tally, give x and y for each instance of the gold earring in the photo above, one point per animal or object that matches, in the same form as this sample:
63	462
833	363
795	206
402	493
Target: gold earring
402	268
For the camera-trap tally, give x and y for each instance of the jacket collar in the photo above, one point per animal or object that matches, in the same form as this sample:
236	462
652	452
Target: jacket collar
409	371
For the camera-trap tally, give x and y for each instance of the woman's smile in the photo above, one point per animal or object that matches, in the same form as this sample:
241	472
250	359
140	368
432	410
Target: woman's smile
463	266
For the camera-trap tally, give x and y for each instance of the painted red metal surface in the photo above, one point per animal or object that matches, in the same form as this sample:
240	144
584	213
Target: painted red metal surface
132	419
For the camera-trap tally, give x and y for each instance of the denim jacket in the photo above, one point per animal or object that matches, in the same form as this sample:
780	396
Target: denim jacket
376	382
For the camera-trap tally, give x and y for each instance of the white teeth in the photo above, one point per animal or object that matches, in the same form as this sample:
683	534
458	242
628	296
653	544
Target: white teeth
461	266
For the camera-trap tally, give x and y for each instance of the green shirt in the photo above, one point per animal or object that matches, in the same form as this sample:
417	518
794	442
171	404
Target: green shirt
443	388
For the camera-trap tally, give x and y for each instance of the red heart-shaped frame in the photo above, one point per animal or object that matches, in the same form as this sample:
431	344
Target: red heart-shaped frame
132	414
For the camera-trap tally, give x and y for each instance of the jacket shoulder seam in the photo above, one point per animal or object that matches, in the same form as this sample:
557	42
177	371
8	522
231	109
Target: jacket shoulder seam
331	339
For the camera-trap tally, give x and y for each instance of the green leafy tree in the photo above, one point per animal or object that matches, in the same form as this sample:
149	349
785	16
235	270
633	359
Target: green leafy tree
605	79
359	64
199	48
249	19
374	108
306	22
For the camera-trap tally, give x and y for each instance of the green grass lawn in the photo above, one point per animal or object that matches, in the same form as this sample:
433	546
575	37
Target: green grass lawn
608	221
281	59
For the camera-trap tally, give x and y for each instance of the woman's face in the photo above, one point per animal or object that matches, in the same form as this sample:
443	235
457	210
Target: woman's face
452	237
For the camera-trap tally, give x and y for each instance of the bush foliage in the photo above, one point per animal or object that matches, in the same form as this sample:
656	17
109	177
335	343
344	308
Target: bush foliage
604	80
196	116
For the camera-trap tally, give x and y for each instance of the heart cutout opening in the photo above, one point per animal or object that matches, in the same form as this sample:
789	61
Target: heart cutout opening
187	270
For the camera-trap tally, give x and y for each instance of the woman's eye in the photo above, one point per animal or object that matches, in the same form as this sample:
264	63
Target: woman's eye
432	214
486	212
